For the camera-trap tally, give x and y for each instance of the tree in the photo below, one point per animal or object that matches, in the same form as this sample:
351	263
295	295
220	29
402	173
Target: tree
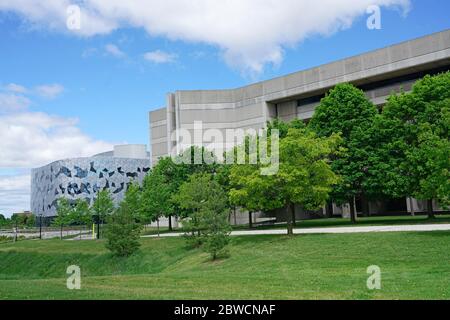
63	211
216	230
304	176
102	207
133	201
242	192
4	222
80	214
251	191
347	111
175	171
431	165
30	220
207	201
156	197
414	128
123	232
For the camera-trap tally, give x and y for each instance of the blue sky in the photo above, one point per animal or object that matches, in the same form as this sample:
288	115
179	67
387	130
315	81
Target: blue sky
98	87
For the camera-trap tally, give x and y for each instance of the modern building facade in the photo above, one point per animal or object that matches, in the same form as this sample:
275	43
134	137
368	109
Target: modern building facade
378	73
83	178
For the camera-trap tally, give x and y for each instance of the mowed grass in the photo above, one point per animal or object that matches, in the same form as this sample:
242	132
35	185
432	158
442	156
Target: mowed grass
332	223
331	266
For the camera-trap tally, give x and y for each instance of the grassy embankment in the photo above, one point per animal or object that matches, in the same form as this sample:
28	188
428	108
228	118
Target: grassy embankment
414	266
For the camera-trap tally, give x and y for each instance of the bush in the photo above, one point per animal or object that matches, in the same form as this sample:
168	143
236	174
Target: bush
122	232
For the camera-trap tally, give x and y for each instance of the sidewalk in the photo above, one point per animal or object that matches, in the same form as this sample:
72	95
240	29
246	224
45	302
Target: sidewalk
398	228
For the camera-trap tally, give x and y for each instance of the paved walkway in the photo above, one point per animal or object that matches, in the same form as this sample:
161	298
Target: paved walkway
399	228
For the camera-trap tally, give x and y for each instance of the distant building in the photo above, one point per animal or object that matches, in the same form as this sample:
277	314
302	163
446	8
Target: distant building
83	178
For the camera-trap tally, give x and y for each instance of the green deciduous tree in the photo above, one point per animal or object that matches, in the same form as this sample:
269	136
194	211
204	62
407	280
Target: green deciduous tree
346	110
123	231
132	200
304	176
414	129
80	214
102	207
156	197
63	211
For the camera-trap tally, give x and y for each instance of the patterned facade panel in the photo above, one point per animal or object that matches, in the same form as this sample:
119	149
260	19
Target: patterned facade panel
83	178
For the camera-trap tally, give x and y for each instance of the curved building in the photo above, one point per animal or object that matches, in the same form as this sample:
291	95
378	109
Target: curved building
295	96
83	178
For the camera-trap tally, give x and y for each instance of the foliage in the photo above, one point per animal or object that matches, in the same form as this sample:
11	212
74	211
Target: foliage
216	228
3	221
122	231
102	207
304	176
208	223
64	214
80	213
132	200
414	132
347	111
22	220
156	196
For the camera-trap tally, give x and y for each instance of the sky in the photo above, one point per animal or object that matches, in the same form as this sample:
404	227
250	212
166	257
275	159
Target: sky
75	80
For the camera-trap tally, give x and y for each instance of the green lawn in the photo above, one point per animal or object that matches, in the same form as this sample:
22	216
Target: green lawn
364	221
334	222
332	266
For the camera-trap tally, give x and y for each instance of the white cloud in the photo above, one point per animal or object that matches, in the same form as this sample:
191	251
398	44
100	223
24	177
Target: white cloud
114	51
249	33
33	139
49	91
159	57
10	102
16	88
14	194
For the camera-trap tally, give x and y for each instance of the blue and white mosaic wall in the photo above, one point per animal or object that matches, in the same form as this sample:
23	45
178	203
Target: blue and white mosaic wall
83	178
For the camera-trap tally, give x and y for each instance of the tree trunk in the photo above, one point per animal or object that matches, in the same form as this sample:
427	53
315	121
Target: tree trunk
98	228
290	212
61	233
411	204
157	225
365	205
329	209
430	209
352	210
250	220
170	223
294	221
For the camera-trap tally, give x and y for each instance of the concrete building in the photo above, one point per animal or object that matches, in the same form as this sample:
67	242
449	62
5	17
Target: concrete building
83	178
378	73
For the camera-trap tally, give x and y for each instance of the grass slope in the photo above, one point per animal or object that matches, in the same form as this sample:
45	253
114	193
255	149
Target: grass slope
414	266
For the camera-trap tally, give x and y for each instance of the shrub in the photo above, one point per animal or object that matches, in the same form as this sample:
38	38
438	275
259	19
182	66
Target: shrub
122	232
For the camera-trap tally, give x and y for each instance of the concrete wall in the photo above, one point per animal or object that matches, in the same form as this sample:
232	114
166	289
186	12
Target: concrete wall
378	73
132	151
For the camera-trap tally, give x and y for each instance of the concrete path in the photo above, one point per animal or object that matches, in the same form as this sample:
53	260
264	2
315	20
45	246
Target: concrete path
399	228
